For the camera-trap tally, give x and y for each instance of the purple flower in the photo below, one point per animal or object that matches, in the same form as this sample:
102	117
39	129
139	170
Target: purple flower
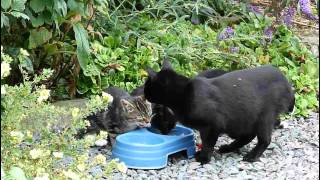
234	49
288	16
226	33
229	31
305	6
254	9
306	9
222	36
268	33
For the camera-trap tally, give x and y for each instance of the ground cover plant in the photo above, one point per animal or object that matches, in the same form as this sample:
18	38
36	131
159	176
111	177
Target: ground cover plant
74	48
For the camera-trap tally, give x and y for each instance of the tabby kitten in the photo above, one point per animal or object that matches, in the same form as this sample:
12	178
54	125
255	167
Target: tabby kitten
124	114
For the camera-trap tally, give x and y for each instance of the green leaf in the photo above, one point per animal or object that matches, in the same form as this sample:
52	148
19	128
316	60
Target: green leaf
18	5
37	21
47	17
289	62
19	14
37	5
76	6
303	103
38	37
60	7
27	64
4	20
49	4
17	174
51	49
5	4
256	23
83	49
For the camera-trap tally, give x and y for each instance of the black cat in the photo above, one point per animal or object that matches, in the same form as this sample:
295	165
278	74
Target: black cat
242	104
124	114
163	118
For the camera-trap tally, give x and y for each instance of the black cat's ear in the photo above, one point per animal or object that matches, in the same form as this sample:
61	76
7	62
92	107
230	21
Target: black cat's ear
166	64
151	72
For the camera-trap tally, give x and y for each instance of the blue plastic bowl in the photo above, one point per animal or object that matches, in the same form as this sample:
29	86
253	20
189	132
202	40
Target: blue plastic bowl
144	149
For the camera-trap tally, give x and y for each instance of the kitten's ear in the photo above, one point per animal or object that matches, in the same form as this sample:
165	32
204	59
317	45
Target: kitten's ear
166	64
151	72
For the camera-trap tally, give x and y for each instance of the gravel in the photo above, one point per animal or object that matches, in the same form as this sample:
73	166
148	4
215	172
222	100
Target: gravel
293	154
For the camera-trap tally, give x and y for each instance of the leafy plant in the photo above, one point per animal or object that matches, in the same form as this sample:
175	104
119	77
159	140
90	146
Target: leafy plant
45	29
35	134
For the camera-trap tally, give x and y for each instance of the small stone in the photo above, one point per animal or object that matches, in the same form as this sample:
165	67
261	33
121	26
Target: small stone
96	171
144	176
139	171
183	168
194	165
174	175
233	170
153	172
101	142
203	170
208	166
164	177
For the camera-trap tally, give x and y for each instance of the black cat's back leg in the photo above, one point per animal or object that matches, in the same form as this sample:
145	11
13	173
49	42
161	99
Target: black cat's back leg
236	144
264	131
209	138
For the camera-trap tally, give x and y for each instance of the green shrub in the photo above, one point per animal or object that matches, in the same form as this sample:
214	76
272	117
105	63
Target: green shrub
55	33
119	58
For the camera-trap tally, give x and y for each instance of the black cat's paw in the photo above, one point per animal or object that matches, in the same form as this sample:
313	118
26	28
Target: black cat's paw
250	158
225	149
202	157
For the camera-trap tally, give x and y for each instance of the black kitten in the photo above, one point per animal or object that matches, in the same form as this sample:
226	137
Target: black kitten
163	118
124	114
243	104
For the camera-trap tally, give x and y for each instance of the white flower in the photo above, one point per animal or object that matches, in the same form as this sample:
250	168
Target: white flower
81	167
122	167
103	134
1	48
87	123
44	95
5	69
35	153
75	112
82	158
17	136
107	97
3	90
100	159
70	174
44	176
58	155
89	138
24	52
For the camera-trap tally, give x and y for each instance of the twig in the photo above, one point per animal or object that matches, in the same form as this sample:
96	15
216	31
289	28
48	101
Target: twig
89	21
303	24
